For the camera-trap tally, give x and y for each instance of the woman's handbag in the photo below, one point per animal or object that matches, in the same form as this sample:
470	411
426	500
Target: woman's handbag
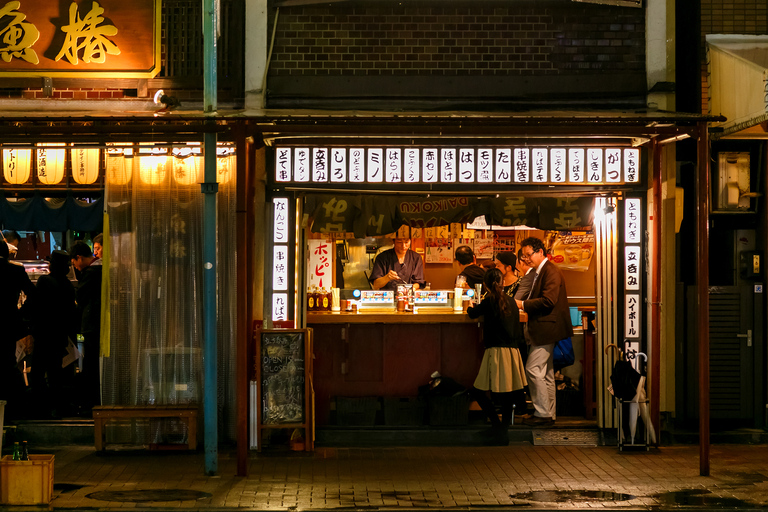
563	354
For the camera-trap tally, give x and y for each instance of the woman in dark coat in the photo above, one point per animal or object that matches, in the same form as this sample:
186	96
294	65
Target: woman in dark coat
55	323
501	370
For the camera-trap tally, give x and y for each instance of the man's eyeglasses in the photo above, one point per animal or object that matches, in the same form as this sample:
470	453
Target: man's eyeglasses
524	256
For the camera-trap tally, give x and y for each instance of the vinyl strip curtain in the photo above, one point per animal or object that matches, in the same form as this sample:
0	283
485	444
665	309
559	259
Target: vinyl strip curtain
156	290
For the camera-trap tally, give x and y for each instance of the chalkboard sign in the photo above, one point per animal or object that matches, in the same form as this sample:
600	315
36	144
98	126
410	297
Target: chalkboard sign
283	378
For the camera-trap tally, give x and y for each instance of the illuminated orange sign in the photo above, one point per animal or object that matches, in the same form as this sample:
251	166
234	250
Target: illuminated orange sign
86	39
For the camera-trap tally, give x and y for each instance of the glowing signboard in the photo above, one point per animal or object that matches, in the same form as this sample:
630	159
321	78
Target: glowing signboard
484	165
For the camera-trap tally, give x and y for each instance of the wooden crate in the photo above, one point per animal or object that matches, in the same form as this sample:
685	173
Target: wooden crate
26	482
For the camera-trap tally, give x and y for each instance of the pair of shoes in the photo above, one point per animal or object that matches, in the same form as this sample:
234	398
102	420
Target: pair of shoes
539	421
525	416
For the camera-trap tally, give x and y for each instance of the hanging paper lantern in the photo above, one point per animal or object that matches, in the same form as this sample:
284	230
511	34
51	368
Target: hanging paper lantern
225	168
85	165
118	169
152	169
17	165
50	163
119	163
187	171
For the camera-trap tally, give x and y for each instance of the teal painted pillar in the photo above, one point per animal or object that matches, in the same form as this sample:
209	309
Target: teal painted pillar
210	73
209	189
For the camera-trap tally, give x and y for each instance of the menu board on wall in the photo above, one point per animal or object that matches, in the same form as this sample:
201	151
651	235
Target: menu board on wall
283	377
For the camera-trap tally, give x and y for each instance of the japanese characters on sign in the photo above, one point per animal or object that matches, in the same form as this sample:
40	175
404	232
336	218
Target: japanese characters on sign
301	165
632	228
279	307
633	271
320	167
394	169
281	220
319	268
280	265
519	165
485	165
632	325
105	38
282	268
429	165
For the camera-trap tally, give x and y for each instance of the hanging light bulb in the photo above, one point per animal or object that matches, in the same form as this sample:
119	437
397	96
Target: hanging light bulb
17	165
50	162
85	165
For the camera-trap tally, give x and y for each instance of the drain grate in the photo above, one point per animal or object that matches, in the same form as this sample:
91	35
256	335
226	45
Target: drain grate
565	438
142	495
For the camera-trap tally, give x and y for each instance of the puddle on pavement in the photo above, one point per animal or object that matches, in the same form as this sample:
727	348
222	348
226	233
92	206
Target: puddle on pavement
572	495
699	498
65	488
142	495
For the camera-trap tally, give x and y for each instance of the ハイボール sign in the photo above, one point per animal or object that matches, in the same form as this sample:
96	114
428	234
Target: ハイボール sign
86	39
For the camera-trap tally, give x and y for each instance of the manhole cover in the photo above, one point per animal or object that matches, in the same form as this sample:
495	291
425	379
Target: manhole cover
568	496
140	495
565	438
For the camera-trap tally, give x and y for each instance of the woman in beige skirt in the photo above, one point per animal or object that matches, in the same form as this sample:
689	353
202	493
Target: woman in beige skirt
501	371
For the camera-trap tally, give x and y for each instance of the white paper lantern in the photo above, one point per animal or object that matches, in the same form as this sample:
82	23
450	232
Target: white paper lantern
17	165
118	169
85	165
225	169
152	169
50	163
187	171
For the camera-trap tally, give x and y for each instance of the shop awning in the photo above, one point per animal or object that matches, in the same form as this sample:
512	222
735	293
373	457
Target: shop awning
380	215
38	213
738	84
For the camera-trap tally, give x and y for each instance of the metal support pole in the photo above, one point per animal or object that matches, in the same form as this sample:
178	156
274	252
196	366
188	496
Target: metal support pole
702	282
209	189
210	353
655	352
210	77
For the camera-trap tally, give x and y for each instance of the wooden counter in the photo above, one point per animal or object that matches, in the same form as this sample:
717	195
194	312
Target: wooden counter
389	317
393	317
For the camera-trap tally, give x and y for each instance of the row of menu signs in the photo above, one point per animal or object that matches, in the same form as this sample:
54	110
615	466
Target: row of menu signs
463	165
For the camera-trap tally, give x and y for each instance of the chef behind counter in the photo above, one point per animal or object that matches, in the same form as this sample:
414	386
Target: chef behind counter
372	275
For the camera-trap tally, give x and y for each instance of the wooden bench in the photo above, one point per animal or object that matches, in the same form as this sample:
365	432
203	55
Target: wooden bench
104	413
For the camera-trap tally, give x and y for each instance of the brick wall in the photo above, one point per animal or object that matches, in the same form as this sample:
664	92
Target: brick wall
436	40
729	17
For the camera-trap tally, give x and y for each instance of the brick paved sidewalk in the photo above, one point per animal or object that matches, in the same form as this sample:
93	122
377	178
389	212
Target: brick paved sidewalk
534	477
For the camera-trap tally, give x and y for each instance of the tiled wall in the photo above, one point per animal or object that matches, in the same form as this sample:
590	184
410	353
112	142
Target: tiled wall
445	40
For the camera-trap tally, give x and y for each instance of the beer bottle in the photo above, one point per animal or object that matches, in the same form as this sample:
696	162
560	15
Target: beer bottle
326	299
16	451
24	451
310	299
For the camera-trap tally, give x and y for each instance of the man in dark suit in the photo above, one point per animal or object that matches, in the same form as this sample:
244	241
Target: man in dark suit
549	321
